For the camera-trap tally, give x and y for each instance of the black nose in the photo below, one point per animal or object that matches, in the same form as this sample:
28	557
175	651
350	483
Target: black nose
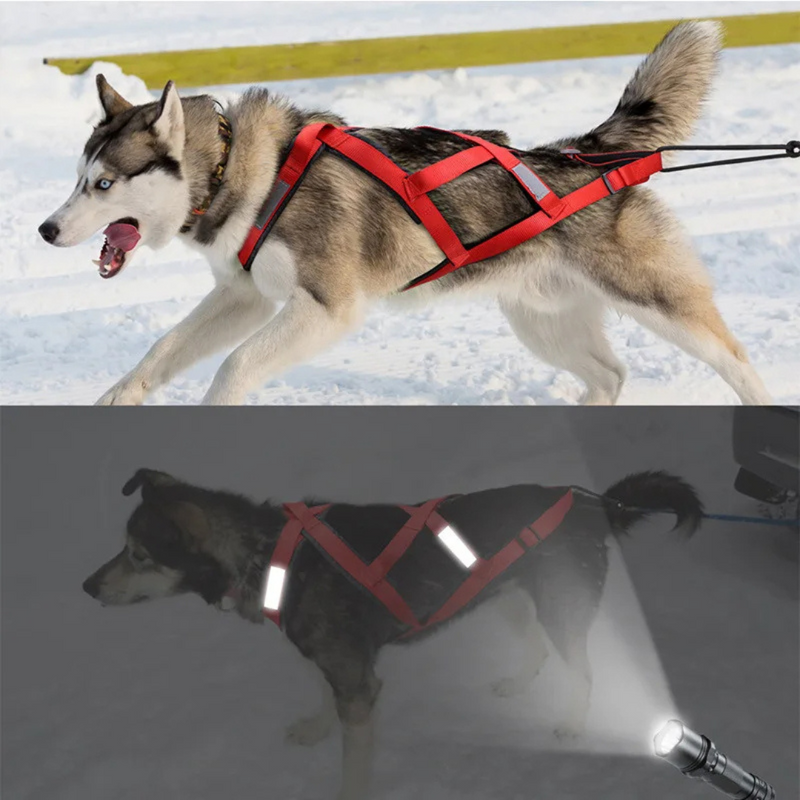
91	586
48	231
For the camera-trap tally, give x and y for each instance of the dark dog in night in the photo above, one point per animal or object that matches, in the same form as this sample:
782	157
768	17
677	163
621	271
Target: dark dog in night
185	539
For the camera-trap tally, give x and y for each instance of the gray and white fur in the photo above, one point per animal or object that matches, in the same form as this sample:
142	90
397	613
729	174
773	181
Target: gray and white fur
344	243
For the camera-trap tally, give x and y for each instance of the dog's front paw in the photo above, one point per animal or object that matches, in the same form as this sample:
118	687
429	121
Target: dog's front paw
309	731
128	392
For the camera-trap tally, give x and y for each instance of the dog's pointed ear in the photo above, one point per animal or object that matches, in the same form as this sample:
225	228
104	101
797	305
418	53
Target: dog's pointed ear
189	518
112	101
168	125
148	479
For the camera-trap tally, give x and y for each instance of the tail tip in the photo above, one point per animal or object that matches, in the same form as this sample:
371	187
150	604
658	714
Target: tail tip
710	30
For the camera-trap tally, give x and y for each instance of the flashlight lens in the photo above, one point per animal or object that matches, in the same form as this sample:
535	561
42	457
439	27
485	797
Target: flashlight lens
668	738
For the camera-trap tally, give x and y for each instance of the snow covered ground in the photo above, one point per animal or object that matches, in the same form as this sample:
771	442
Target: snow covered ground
66	335
175	700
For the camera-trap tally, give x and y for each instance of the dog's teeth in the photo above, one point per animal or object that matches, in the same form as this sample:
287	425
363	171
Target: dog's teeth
97	261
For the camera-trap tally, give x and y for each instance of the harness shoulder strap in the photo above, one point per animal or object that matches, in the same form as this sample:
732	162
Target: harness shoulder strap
285	549
305	148
533	185
381	167
486	570
305	521
630	174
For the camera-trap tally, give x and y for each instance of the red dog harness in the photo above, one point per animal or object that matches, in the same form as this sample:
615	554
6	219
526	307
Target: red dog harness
412	189
305	523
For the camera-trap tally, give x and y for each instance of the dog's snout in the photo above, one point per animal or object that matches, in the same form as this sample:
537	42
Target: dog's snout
49	232
91	586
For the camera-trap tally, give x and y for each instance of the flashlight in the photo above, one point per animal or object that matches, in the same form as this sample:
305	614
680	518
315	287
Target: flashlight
697	756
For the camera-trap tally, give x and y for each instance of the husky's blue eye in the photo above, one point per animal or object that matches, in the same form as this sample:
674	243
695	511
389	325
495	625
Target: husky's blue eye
104	183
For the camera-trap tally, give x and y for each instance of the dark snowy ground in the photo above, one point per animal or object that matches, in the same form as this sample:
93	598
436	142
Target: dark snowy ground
175	700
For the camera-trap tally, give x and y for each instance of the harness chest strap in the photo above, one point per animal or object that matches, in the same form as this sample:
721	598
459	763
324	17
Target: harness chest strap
304	521
305	148
412	190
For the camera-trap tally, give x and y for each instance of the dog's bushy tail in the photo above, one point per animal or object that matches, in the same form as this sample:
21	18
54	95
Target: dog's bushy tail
663	101
639	495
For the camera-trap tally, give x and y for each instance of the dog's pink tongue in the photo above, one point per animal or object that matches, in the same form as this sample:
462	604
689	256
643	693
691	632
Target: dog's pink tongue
122	235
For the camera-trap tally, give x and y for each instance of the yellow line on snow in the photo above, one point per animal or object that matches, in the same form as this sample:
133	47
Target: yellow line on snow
282	62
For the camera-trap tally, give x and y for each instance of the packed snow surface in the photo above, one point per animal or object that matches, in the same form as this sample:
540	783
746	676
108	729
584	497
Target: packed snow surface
66	335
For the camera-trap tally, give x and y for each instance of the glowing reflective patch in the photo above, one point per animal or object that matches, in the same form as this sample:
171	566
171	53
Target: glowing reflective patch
457	547
668	738
272	594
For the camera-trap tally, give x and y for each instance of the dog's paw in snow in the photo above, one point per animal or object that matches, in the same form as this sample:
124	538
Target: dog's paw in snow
309	731
125	393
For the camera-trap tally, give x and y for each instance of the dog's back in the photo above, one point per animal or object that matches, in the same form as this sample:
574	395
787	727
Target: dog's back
428	573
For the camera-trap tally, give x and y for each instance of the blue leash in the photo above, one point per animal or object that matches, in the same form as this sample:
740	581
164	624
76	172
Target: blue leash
794	523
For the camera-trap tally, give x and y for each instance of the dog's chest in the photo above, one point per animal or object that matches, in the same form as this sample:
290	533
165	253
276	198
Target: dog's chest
274	273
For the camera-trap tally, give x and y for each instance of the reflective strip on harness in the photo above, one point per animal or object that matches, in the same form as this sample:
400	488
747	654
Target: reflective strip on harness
303	521
457	547
487	570
281	559
625	169
273	593
531	181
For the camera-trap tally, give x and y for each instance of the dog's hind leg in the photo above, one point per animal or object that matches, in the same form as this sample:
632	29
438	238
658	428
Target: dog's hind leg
573	721
572	338
648	269
304	327
698	329
567	585
310	730
516	607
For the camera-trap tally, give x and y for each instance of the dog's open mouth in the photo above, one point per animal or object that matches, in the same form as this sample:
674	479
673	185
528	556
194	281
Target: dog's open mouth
121	237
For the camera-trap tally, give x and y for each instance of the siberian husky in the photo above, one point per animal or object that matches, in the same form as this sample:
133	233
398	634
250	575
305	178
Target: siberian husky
183	167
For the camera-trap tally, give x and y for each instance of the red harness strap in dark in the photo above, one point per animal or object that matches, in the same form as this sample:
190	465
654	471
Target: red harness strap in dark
626	169
304	522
